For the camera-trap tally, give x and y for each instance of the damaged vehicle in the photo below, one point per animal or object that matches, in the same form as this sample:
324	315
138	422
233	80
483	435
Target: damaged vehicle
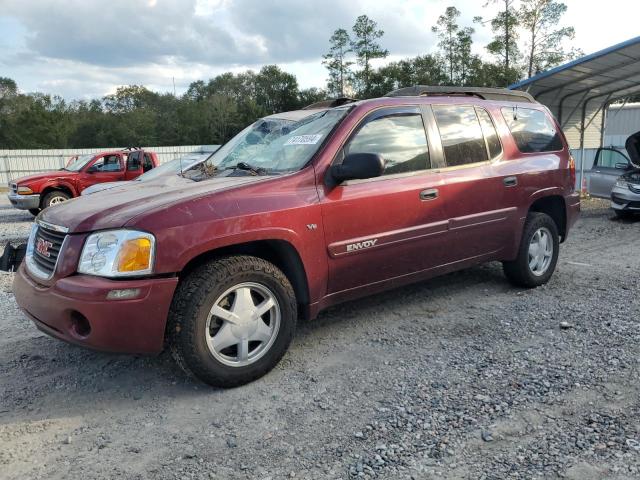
625	195
219	263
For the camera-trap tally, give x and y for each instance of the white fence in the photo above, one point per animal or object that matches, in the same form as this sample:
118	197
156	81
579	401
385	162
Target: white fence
18	163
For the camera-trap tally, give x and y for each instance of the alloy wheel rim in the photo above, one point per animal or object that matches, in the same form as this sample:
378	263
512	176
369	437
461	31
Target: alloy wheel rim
243	324
540	251
57	200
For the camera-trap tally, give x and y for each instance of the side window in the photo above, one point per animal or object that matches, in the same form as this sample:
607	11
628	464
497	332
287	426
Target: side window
532	130
133	162
490	134
147	164
399	138
610	158
461	134
108	163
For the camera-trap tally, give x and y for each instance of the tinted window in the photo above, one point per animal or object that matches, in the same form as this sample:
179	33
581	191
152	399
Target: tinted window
609	158
400	139
462	138
147	164
133	162
489	131
532	130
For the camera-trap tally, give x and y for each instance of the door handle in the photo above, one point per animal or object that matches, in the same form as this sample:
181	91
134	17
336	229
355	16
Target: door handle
510	181
429	194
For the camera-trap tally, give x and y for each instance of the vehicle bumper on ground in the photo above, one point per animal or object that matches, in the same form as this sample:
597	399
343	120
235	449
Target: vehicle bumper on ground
625	199
76	309
24	202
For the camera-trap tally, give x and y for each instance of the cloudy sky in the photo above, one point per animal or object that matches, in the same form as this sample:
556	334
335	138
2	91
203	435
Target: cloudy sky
86	48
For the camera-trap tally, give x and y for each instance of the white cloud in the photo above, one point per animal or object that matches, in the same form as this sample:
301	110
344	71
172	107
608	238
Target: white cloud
83	49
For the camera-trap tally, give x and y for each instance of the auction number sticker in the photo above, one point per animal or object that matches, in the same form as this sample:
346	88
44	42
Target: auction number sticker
304	140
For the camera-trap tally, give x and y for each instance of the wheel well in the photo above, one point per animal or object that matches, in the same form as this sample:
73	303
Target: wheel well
62	188
553	206
279	252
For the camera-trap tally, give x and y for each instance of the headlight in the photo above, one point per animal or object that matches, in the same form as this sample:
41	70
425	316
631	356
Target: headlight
24	191
118	253
622	183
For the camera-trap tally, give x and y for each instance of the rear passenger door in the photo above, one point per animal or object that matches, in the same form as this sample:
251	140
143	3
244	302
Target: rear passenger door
393	225
608	165
479	222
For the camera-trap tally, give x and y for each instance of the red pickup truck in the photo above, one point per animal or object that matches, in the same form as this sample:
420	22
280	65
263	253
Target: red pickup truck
39	191
219	262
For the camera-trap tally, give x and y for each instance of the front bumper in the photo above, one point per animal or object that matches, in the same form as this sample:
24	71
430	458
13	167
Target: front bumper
64	309
625	199
24	202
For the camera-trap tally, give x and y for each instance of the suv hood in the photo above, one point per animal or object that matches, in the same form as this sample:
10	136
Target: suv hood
43	176
115	207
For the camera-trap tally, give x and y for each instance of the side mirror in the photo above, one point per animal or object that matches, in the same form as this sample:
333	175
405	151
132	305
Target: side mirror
622	166
92	169
358	166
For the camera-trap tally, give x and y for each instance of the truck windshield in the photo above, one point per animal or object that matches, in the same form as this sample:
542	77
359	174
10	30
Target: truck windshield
79	163
286	148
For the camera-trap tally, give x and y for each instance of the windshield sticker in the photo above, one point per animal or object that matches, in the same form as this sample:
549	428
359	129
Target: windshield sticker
304	140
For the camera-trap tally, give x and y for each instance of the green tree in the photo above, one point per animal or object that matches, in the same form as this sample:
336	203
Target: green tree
446	29
366	48
505	41
540	19
276	90
337	64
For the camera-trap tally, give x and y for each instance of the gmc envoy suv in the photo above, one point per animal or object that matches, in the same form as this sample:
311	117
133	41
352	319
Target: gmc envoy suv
219	262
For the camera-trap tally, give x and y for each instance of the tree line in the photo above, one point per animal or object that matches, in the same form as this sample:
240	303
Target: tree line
526	39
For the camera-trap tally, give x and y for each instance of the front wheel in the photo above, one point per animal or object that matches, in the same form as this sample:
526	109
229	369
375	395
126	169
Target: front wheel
54	197
537	254
232	320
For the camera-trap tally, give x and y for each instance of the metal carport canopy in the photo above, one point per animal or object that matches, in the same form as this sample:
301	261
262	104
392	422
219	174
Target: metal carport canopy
578	91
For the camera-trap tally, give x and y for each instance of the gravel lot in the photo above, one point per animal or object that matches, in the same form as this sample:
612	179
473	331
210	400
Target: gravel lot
460	377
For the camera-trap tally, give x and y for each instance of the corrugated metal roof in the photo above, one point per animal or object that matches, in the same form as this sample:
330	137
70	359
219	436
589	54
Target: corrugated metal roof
584	85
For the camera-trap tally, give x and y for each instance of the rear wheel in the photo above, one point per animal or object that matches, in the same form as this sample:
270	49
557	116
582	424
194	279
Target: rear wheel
232	320
537	254
54	197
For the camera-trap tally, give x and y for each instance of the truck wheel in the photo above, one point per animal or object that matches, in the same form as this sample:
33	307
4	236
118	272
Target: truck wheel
54	197
34	211
232	320
538	252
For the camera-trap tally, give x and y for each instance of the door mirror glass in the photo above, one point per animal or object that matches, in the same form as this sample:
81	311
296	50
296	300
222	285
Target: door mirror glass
92	169
358	166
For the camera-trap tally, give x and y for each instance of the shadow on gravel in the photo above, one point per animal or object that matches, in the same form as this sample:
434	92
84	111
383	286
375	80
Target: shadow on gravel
17	219
59	372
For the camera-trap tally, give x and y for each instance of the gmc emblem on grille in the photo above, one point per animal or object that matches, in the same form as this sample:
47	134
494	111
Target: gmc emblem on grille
42	247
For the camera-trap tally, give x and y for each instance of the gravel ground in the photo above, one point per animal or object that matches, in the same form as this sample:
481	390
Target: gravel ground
462	376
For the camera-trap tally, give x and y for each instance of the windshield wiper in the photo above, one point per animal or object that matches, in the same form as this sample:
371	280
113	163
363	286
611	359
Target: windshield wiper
248	167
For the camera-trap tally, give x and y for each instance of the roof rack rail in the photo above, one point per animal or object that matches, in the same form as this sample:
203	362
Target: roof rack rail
333	102
484	93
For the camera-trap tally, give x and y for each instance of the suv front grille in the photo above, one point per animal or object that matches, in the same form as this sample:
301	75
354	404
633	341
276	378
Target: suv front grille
46	249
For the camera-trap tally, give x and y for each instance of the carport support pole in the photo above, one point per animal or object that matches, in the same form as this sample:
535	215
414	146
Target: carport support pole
582	186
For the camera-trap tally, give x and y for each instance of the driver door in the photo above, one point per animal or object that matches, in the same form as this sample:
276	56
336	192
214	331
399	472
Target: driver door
134	165
607	167
104	168
390	226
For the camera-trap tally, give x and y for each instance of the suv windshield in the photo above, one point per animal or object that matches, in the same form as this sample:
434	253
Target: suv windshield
273	146
79	163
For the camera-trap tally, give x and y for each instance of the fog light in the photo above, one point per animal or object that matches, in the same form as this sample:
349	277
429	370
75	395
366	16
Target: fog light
124	294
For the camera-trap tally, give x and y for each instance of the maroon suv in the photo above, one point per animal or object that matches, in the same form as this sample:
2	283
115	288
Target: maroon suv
218	263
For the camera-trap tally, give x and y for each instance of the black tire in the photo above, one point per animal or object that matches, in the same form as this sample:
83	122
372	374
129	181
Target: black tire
54	196
623	214
192	304
518	271
34	211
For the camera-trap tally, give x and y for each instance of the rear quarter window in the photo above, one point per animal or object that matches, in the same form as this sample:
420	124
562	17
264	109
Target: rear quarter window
532	130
